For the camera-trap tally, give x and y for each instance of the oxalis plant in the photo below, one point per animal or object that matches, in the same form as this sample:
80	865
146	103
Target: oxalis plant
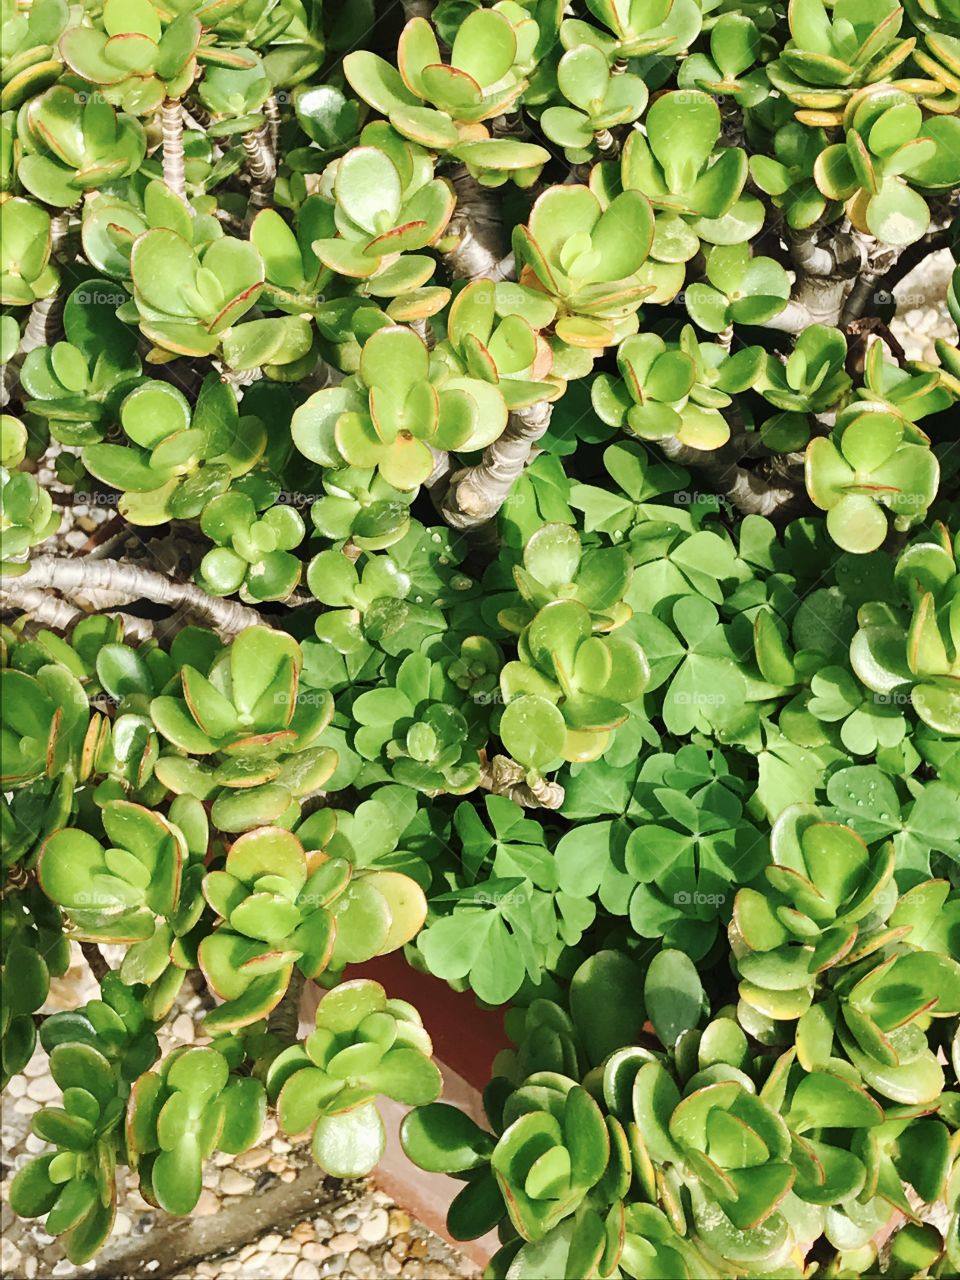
525	548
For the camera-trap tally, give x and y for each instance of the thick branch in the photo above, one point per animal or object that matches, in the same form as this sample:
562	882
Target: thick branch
478	222
504	777
49	610
744	489
94	958
284	1021
171	129
262	168
477	493
90	578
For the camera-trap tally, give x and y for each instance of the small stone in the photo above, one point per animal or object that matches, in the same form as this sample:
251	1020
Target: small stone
122	1225
208	1269
233	1183
343	1242
34	1144
26	1106
277	1165
17	1087
62	1268
246	1251
360	1265
333	1266
348	1218
375	1227
289	1246
315	1251
305	1271
400	1222
9	1256
222	1158
183	1028
288	1175
29	1268
280	1147
209	1177
37	1066
303	1231
252	1159
207	1205
267	1244
391	1265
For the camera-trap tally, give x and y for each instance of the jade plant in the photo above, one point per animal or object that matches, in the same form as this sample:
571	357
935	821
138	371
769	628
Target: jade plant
469	499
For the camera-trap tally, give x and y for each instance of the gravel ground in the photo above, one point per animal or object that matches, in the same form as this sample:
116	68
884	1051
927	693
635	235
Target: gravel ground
356	1230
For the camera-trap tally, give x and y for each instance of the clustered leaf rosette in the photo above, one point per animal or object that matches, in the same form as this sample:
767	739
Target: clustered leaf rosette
494	334
484	78
556	567
77	385
890	150
280	906
415	730
598	100
813	379
636	28
730	69
135	60
44	716
253	552
740	289
364	1044
700	1157
568	689
27	518
94	1054
695	187
189	300
32	950
395	410
73	143
30	62
824	881
359	506
916	655
674	390
178	1116
179	457
26	272
589	260
786	176
874	461
240	710
832	53
385	202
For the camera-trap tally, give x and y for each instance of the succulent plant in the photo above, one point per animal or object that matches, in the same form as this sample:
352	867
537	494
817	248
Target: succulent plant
30	61
364	1044
72	145
831	54
569	688
575	686
180	457
26	272
740	289
178	1116
889	150
493	333
588	260
280	906
874	461
598	100
391	413
359	506
244	710
253	553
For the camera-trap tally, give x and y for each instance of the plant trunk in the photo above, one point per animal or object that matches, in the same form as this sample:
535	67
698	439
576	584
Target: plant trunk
477	493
